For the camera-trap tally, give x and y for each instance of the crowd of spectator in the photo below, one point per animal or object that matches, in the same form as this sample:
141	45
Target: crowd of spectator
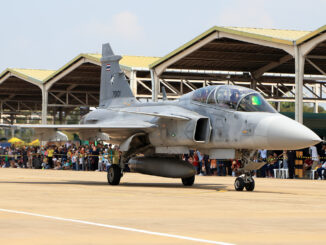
99	157
313	158
66	157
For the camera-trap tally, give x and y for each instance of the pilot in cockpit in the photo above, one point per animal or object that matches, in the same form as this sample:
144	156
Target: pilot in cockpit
235	96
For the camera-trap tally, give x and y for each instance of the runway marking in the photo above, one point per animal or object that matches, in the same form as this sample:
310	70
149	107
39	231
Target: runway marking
116	227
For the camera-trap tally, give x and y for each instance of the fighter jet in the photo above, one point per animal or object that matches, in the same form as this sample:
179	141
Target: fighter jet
223	122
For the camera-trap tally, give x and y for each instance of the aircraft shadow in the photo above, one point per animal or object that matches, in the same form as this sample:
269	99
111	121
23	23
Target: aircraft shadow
55	182
216	187
212	187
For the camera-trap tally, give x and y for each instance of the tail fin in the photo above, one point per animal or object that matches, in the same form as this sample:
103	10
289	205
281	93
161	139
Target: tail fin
115	89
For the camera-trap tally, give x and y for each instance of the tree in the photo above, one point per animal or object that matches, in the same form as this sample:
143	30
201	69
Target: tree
307	107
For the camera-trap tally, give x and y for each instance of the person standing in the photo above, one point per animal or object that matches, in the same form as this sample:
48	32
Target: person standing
95	153
221	170
235	166
272	163
284	157
320	170
314	156
110	154
100	161
116	155
195	162
50	156
30	157
291	159
207	165
74	161
81	159
213	166
228	168
322	155
200	162
263	158
24	157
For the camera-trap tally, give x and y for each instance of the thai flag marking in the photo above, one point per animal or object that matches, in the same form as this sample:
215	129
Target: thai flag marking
108	67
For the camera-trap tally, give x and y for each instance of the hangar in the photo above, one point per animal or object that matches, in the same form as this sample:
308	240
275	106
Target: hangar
21	93
285	53
284	65
27	92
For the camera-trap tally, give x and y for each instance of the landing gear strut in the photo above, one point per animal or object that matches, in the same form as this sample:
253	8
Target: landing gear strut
114	174
244	181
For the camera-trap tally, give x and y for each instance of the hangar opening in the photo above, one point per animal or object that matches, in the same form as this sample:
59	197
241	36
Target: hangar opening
21	95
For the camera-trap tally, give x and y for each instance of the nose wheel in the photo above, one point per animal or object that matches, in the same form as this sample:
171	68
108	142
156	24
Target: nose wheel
244	181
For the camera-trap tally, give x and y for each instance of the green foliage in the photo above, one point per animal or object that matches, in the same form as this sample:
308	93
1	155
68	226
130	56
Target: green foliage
307	107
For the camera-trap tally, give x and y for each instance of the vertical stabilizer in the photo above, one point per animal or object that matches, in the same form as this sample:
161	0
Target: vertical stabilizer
115	89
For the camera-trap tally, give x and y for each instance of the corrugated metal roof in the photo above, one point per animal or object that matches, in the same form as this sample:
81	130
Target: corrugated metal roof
311	34
33	75
286	37
275	33
127	62
131	61
95	57
40	75
138	61
143	62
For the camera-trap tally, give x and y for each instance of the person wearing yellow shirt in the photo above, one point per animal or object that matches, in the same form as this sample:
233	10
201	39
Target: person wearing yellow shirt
50	156
116	155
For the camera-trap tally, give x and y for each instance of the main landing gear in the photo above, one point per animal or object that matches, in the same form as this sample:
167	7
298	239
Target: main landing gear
189	181
244	181
114	174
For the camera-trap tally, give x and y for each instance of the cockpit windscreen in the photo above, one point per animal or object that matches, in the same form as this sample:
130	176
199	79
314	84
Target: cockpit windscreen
254	102
232	97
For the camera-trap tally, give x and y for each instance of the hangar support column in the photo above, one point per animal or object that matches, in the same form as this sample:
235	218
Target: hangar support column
305	49
133	82
316	90
44	105
299	72
155	85
1	112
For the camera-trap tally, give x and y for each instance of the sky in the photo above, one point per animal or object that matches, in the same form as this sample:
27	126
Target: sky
47	34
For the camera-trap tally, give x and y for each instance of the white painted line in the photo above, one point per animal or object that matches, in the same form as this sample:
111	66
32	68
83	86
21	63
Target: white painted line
117	227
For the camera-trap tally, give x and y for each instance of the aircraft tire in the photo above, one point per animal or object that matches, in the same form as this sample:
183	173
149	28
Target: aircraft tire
250	186
114	174
239	184
189	181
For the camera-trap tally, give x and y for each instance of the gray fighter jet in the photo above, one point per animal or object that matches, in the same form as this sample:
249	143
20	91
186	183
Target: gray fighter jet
224	122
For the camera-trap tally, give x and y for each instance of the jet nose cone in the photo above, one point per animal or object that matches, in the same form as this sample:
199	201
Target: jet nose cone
286	134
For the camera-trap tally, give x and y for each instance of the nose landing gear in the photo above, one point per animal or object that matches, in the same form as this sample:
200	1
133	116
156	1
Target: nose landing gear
244	181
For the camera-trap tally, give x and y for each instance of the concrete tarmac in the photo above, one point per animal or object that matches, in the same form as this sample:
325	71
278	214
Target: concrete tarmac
277	212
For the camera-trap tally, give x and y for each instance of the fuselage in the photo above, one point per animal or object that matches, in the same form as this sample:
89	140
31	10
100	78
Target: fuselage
227	127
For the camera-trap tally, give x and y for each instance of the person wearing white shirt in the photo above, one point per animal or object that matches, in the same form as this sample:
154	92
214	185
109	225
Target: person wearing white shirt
263	154
314	156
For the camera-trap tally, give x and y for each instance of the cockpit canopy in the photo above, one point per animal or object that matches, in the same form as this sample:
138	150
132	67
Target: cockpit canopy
232	97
